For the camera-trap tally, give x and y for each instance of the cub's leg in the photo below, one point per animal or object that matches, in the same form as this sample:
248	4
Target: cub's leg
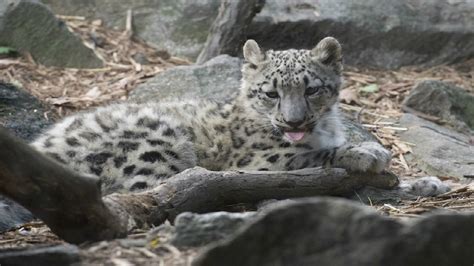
361	157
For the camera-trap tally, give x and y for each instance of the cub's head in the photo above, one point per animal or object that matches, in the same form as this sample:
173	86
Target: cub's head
294	89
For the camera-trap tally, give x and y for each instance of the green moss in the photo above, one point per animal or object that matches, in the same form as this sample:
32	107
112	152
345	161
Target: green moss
6	50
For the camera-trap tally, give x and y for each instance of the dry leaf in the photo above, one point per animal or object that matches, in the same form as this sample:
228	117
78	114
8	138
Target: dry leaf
372	88
93	93
349	96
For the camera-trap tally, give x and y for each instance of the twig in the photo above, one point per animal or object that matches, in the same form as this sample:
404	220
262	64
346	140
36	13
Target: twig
355	108
128	24
422	115
64	17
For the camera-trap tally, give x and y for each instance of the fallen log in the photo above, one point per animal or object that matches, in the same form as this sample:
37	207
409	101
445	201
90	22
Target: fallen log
68	202
228	31
72	206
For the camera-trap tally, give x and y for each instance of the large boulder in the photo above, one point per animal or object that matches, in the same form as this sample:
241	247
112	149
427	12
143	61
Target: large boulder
219	78
30	26
194	230
438	150
329	231
443	100
380	33
179	26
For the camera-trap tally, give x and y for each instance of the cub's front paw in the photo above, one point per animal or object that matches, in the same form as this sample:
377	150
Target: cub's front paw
364	157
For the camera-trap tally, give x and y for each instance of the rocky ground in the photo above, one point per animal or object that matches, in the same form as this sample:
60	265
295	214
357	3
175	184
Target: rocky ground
433	139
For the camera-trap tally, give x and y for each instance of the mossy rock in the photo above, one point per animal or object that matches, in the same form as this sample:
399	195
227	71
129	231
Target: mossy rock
32	27
444	100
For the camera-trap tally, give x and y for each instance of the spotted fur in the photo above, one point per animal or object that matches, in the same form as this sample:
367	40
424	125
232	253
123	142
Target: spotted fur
133	147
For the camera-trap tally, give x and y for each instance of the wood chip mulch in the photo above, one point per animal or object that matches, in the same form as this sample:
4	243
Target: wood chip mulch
30	234
138	249
456	201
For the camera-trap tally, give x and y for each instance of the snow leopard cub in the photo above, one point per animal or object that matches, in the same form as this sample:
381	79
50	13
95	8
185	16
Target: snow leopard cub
285	117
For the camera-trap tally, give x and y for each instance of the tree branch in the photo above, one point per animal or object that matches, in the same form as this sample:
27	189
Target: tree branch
72	206
69	203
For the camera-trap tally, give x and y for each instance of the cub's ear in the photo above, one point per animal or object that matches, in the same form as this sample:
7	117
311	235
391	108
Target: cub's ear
329	53
253	54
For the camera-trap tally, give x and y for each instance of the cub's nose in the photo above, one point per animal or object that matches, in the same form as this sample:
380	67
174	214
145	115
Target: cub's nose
294	123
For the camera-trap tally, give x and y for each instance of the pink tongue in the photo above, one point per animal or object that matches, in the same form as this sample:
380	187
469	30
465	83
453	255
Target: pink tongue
294	136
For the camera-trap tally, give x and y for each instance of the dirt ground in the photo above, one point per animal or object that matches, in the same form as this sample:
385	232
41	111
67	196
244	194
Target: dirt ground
370	95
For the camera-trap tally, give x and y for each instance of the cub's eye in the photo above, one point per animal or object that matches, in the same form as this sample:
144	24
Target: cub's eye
311	90
272	94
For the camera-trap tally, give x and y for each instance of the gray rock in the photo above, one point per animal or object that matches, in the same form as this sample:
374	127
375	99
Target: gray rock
141	58
55	255
12	214
219	78
327	231
379	33
385	33
30	26
356	133
180	26
21	113
194	230
438	151
443	100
